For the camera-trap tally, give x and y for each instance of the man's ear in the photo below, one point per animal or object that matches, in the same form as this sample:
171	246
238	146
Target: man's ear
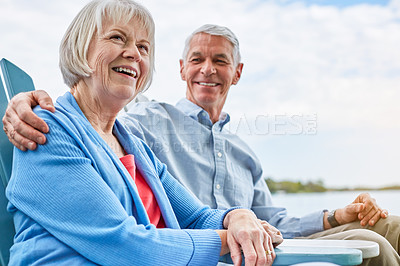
238	74
182	69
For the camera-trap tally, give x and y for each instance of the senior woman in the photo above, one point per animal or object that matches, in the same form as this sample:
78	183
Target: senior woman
95	194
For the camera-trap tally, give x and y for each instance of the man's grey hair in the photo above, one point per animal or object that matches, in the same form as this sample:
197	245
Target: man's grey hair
215	30
89	21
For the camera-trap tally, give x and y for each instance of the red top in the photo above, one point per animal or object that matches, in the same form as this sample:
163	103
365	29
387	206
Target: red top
145	192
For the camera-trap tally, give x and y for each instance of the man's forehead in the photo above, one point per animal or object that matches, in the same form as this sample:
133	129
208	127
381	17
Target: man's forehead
203	43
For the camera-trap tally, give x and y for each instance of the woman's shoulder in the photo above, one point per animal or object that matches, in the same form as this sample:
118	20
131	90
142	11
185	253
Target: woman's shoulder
66	110
47	115
67	118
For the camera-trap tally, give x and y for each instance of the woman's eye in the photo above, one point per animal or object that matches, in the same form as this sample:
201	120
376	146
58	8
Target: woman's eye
117	37
144	48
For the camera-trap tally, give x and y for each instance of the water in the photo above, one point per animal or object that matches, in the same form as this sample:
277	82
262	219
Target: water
303	203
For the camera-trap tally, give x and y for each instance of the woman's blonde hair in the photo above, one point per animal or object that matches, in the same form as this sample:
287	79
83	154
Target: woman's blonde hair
89	21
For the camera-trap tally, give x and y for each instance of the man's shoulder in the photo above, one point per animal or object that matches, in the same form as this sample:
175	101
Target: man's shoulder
153	104
153	108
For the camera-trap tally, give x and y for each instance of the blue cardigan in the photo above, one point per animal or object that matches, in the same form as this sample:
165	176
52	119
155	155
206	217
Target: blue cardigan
74	203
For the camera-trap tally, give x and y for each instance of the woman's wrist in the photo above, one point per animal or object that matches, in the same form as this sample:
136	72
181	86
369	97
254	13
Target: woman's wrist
237	213
224	244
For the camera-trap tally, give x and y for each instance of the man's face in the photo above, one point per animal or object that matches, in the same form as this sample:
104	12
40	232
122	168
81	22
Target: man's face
209	71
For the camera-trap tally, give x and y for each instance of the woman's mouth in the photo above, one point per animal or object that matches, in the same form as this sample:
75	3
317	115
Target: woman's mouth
126	71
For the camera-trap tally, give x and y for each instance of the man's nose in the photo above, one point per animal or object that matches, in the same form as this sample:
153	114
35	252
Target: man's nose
208	68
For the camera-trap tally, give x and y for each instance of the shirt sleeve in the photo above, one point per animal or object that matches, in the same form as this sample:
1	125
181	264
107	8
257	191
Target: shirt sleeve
58	187
289	226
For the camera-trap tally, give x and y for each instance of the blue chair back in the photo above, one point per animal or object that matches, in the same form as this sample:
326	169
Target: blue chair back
16	80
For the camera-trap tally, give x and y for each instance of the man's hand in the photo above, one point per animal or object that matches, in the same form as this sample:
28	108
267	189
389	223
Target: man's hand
246	233
363	208
274	233
22	126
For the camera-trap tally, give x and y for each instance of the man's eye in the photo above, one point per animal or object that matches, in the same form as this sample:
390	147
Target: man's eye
195	60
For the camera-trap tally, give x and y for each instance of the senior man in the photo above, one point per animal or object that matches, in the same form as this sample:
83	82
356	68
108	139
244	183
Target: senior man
217	166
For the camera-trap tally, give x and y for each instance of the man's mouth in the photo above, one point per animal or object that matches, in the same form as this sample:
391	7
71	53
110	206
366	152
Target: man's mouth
126	71
209	84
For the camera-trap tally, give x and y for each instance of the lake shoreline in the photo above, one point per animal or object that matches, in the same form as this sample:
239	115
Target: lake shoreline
286	186
299	204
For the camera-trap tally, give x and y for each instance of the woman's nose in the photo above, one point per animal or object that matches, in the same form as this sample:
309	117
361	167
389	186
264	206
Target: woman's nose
132	52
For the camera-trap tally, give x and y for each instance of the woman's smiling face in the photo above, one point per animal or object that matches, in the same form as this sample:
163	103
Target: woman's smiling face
119	58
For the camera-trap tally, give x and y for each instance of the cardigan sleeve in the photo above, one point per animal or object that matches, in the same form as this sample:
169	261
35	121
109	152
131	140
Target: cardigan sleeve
58	187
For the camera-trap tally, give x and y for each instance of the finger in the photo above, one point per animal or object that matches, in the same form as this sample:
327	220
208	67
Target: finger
44	100
19	146
368	216
249	252
269	228
275	234
273	254
21	132
22	143
372	217
375	218
364	221
354	208
384	214
15	138
269	248
370	207
361	197
370	203
28	133
234	248
22	105
367	211
261	247
24	113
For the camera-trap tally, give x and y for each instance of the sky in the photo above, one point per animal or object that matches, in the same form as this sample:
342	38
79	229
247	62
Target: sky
318	97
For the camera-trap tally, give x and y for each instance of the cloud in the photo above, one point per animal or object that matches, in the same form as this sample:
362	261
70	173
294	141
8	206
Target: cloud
31	33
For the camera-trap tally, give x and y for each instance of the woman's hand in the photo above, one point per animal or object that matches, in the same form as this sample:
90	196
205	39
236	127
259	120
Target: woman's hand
246	233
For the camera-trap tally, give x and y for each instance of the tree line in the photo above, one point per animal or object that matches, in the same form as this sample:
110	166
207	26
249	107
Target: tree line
312	186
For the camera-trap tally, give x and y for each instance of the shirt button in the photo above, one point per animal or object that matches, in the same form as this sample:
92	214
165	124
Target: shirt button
219	154
218	186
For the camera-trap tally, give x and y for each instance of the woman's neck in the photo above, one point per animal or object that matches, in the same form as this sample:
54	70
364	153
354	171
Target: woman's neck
101	118
97	112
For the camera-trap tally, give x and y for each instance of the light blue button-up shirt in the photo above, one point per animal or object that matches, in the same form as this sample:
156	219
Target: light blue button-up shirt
214	164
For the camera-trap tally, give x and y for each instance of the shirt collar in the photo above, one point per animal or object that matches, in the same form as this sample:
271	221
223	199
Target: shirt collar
199	114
